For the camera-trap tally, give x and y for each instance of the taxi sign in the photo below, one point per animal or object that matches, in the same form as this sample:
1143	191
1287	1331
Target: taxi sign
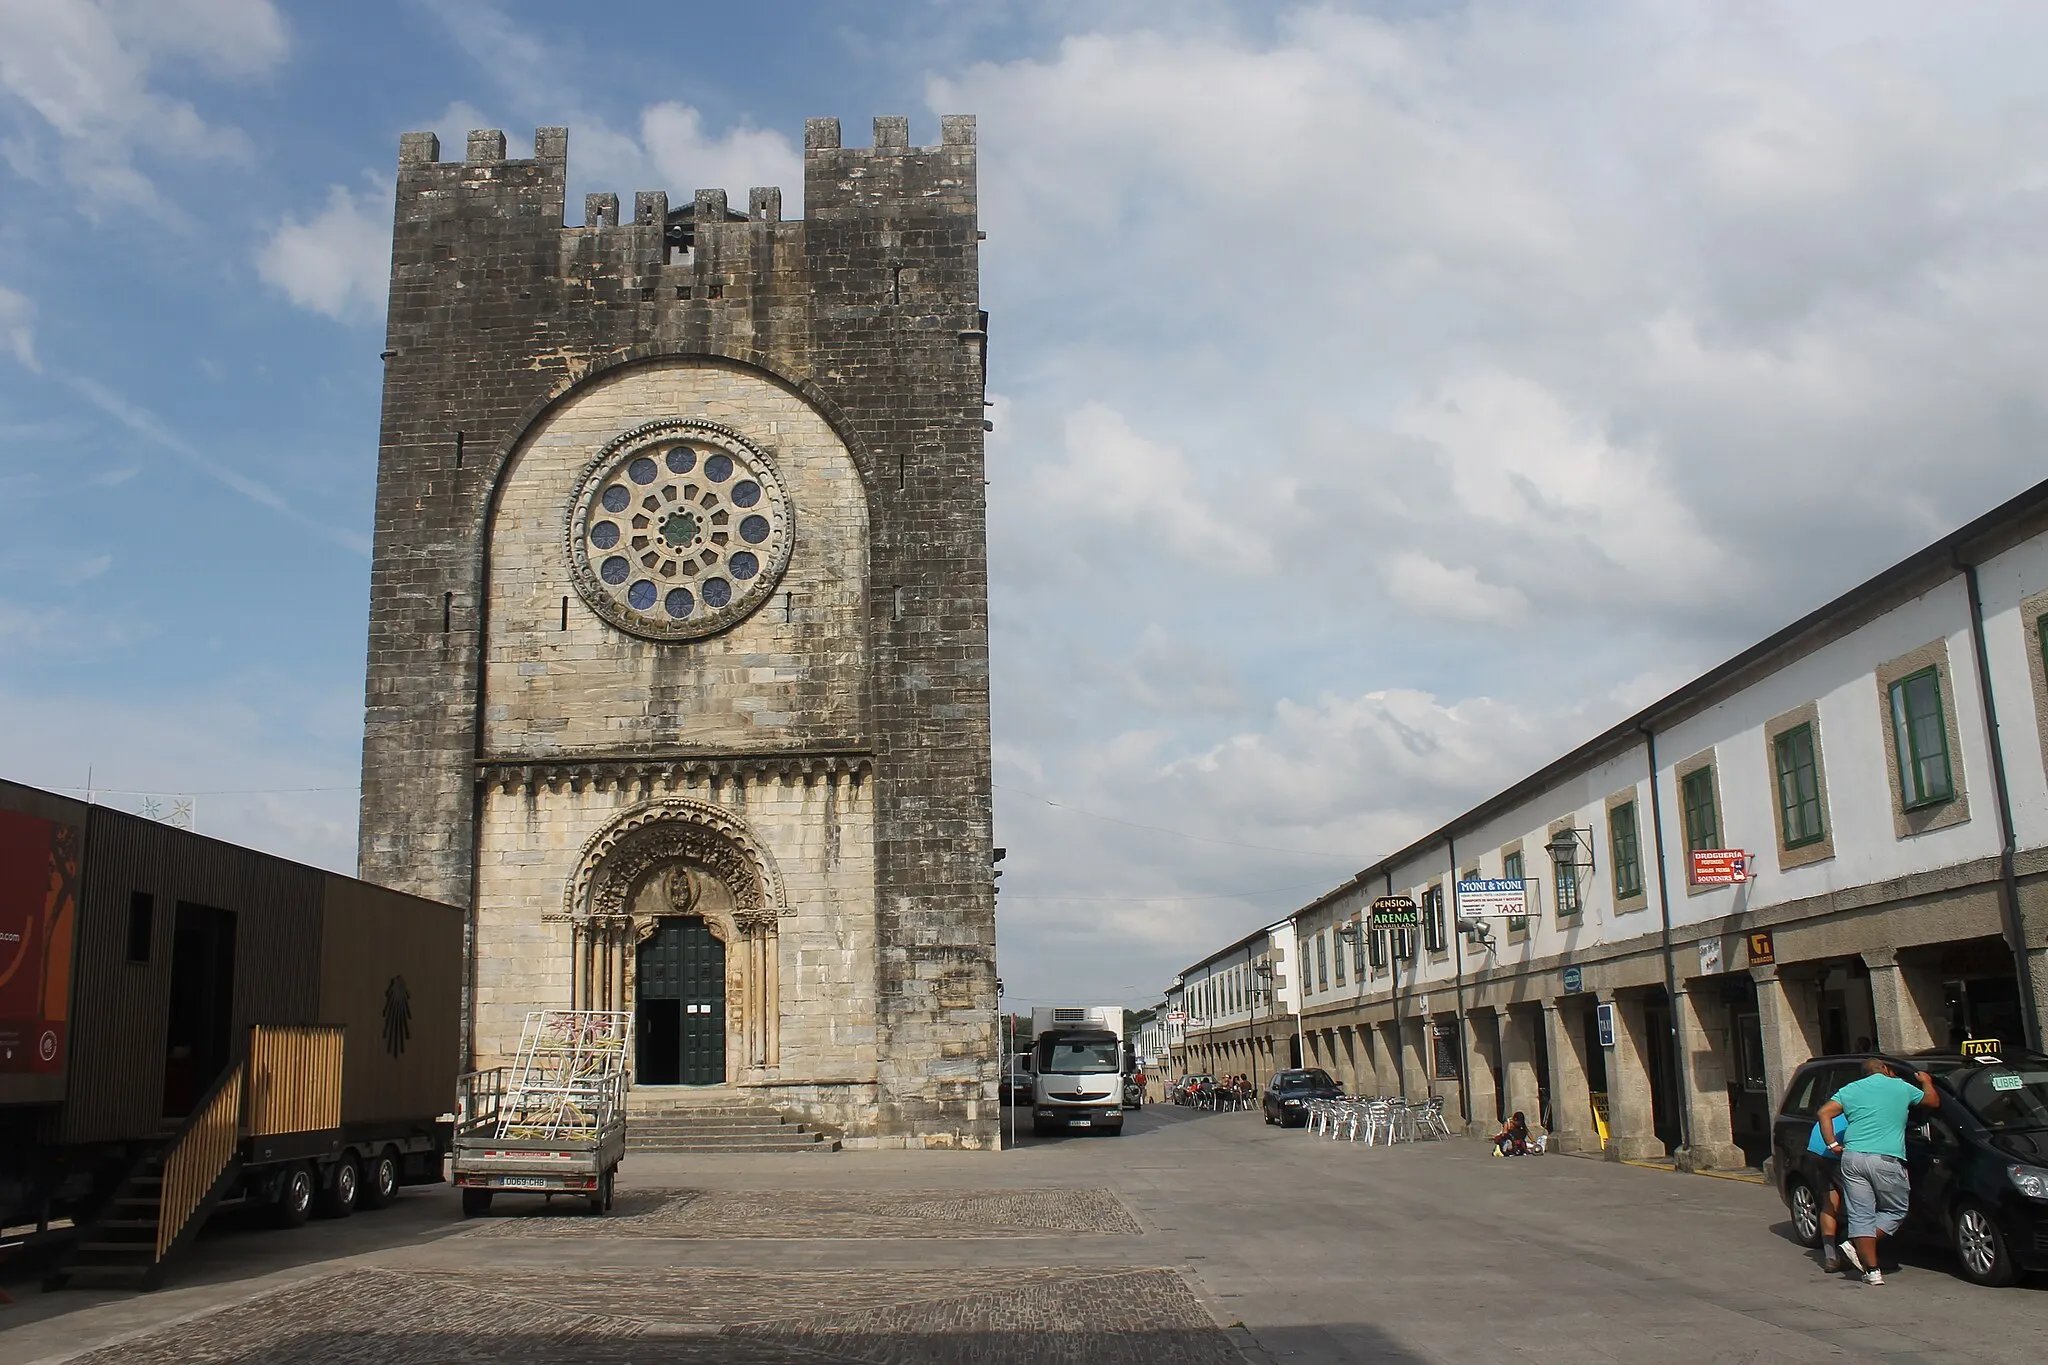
1395	912
1983	1047
1495	897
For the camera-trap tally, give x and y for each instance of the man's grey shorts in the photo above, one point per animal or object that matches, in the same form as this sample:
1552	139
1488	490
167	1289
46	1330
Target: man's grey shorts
1875	1192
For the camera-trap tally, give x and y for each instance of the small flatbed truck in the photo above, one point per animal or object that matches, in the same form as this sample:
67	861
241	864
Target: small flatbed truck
552	1123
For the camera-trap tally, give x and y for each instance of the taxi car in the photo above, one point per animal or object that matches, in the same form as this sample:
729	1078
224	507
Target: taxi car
1978	1163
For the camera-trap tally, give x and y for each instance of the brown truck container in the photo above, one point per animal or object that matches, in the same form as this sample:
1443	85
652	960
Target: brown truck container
166	998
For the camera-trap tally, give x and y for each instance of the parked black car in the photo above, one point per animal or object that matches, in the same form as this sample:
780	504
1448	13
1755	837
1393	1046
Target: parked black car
1016	1084
1978	1163
1288	1094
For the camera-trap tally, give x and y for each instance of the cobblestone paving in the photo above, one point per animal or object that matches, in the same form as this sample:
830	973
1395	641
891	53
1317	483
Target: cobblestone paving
1101	1316
805	1213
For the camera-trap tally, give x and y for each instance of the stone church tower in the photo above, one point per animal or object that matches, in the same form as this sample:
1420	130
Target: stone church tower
678	657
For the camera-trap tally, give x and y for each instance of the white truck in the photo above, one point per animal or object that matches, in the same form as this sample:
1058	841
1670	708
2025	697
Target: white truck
1078	1069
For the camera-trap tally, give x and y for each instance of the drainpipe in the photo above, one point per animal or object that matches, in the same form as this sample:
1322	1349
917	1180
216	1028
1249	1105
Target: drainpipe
1458	957
1670	968
2008	880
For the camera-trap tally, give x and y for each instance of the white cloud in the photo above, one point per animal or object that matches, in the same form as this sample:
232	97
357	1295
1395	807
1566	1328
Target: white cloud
1434	589
85	67
1110	479
17	327
337	261
686	158
671	149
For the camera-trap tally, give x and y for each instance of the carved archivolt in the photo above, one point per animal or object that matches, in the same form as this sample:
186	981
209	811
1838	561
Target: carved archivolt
675	830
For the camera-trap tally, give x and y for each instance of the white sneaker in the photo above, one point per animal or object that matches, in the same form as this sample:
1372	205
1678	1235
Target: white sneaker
1873	1277
1849	1255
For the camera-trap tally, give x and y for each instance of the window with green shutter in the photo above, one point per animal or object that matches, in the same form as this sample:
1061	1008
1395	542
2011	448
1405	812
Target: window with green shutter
1511	868
1627	859
1566	876
1921	737
1799	818
1702	821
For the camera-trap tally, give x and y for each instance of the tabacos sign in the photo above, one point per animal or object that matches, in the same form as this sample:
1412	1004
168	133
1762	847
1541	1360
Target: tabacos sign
38	917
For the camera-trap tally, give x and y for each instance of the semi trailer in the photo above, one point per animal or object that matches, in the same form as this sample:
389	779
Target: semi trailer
187	1026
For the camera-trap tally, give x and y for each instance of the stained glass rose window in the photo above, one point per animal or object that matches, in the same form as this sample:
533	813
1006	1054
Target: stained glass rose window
680	529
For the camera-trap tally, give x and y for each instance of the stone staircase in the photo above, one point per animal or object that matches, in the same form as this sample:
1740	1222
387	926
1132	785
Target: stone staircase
715	1119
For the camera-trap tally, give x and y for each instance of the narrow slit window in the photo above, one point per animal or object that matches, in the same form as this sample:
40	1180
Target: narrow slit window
447	612
141	924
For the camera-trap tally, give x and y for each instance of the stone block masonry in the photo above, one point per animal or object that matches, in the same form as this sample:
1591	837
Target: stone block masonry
820	763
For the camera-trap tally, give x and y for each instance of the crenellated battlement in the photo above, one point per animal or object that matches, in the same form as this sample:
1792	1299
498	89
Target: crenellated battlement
889	178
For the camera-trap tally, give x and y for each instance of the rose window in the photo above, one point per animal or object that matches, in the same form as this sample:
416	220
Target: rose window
679	530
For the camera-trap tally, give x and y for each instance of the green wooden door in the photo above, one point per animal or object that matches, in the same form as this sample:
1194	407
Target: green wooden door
702	958
681	992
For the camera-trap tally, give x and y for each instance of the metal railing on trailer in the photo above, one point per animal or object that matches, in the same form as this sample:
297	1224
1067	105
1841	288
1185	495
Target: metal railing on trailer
554	1121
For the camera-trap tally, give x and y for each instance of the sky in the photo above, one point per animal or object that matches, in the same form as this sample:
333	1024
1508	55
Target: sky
1388	397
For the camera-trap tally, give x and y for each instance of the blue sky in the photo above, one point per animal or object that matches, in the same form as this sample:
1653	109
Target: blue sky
1388	396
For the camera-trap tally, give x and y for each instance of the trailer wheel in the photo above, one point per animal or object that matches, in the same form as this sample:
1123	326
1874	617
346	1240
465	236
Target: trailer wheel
338	1200
601	1197
380	1181
475	1203
295	1192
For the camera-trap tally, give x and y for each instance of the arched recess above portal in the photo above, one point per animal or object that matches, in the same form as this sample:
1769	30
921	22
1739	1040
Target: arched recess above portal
627	871
581	375
564	675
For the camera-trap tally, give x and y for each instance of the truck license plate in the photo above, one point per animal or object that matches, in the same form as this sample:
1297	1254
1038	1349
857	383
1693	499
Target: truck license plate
1080	1123
526	1182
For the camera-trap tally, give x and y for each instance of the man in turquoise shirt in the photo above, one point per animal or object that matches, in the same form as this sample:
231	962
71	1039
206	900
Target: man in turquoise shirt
1874	1184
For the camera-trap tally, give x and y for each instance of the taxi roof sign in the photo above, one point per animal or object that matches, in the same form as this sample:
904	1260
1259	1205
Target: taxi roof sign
1983	1049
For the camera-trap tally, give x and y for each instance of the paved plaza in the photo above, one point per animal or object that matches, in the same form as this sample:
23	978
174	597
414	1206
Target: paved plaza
1194	1238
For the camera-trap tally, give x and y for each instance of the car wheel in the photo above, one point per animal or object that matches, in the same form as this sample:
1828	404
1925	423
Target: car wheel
1980	1246
294	1197
601	1197
380	1181
338	1200
475	1203
1805	1207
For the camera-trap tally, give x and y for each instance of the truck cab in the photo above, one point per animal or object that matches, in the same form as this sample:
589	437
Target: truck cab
1078	1081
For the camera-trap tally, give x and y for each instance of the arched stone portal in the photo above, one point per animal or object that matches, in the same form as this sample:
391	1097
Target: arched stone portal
648	889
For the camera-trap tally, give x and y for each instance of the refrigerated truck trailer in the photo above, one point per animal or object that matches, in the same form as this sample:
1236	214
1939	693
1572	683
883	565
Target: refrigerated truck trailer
1078	1069
187	1025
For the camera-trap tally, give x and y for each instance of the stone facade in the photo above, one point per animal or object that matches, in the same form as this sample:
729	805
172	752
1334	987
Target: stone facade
582	756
